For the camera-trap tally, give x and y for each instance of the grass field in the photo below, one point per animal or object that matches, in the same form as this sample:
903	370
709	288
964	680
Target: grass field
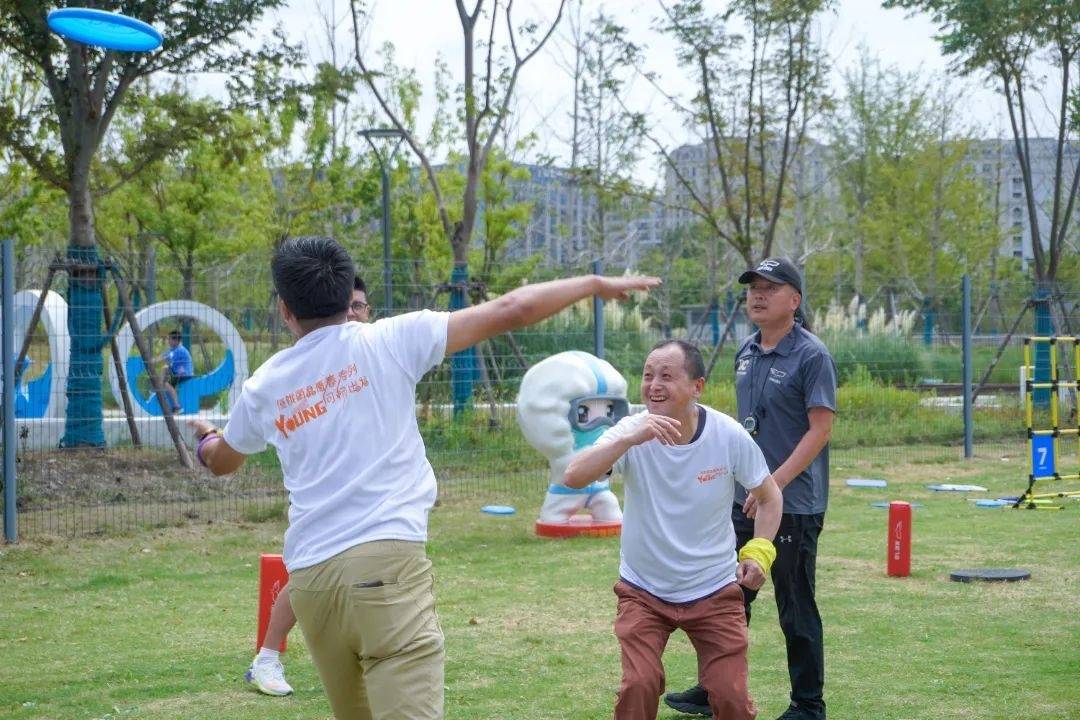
160	624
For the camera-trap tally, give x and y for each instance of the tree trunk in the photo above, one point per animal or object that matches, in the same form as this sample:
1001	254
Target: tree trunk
84	426
462	364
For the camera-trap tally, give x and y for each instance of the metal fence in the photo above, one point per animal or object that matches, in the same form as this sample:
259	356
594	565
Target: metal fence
900	383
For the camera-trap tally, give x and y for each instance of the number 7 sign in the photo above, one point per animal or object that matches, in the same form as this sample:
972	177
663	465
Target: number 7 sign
1042	456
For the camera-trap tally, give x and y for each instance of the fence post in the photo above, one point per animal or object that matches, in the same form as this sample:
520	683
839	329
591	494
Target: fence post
969	426
598	316
7	347
928	321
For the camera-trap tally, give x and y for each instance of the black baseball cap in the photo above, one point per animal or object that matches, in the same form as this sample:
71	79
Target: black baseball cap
777	270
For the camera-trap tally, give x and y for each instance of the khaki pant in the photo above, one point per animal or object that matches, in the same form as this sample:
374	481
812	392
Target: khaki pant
368	616
717	628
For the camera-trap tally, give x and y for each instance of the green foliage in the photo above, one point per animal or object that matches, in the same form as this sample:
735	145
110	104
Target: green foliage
1003	40
205	203
890	359
759	77
274	512
911	211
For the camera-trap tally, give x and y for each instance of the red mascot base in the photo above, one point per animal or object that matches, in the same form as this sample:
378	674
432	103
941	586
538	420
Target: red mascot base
579	525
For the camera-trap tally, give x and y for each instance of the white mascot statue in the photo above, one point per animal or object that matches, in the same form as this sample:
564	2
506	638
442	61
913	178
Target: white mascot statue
565	403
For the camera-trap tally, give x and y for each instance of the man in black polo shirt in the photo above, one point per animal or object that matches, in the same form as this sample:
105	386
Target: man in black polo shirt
785	386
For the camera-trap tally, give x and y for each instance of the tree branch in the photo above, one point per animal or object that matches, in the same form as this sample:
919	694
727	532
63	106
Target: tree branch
410	140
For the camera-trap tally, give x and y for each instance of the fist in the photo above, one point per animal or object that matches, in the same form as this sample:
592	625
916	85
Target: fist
750	575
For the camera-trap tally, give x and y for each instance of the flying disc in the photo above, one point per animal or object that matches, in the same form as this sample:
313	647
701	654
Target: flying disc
948	487
865	483
108	30
884	505
498	510
986	503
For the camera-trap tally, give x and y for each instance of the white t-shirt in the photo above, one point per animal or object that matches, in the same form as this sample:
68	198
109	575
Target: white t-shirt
678	542
339	408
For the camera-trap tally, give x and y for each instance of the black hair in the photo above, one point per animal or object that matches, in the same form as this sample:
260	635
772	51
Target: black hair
175	335
358	284
314	276
693	362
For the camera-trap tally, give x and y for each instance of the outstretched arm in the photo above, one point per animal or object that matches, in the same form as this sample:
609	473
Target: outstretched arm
531	304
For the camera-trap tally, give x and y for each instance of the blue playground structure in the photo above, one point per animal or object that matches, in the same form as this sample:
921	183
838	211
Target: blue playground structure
190	392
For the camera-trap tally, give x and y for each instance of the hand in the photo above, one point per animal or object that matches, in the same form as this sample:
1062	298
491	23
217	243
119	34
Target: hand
750	575
749	507
619	288
658	427
200	428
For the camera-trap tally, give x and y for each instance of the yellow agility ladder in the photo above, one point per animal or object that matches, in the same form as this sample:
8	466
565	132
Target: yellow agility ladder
1043	445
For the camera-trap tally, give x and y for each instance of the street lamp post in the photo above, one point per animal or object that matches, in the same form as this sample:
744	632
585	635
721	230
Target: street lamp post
371	134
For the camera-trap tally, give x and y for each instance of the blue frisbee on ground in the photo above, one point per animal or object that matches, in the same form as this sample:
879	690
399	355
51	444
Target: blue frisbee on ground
884	504
498	510
992	503
951	487
108	30
865	483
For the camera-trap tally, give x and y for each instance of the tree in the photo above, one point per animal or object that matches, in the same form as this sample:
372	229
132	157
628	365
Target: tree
604	142
204	203
910	211
60	138
1002	40
880	118
486	94
755	97
759	83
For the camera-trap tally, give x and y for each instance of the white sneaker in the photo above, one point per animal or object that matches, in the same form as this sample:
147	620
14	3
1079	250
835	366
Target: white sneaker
268	677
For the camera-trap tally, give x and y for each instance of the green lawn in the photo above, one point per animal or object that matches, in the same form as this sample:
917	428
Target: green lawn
161	624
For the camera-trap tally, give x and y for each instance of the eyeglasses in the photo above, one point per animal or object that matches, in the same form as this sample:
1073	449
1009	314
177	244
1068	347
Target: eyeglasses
358	306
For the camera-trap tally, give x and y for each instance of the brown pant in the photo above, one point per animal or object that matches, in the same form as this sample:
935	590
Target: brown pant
368	616
717	629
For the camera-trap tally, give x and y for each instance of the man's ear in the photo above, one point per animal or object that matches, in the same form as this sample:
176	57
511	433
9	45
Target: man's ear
284	311
699	387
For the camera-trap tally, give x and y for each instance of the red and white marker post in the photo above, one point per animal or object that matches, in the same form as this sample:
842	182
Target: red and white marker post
272	578
899	539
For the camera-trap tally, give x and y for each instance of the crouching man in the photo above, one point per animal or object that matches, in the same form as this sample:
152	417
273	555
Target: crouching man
680	462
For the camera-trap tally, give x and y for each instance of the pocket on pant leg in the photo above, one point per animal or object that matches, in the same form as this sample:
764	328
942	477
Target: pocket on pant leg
392	604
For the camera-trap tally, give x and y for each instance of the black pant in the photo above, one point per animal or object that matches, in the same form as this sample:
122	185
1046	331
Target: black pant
793	584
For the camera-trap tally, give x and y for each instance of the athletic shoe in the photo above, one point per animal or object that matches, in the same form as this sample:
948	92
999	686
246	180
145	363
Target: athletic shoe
794	712
268	677
692	701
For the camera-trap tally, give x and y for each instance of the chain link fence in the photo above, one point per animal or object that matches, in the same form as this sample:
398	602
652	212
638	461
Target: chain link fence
900	368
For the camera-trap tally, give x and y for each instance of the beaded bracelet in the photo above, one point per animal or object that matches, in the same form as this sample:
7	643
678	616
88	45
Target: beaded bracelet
215	433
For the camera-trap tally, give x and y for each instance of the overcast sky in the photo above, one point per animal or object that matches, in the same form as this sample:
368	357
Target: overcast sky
420	29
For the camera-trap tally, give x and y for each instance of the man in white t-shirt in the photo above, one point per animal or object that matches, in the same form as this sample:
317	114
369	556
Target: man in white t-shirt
678	567
338	407
266	672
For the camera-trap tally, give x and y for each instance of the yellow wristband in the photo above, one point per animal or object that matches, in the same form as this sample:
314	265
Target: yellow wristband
760	551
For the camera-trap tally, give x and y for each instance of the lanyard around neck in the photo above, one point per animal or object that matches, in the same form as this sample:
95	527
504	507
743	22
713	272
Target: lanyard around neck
753	376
